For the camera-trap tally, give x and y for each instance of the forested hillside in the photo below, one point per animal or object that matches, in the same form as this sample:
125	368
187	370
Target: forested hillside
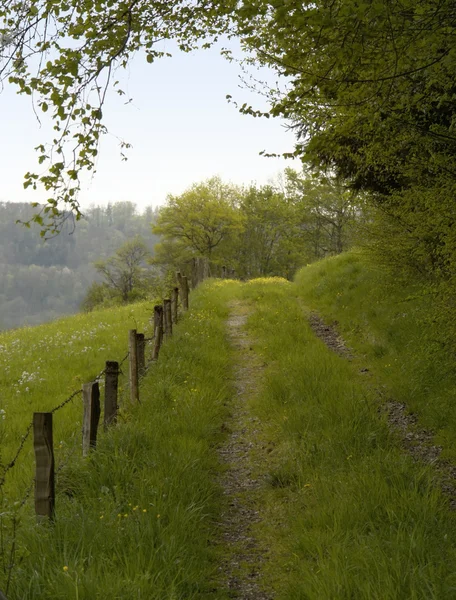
41	280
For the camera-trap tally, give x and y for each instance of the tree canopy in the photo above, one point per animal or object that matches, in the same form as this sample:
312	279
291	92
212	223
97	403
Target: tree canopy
368	86
65	54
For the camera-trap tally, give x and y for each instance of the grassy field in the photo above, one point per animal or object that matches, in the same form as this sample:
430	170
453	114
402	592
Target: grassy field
392	327
346	513
42	366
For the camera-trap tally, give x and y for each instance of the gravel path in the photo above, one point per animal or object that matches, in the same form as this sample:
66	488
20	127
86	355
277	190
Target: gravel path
242	567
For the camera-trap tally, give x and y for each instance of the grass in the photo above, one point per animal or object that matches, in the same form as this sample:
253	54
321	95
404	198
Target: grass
133	521
41	366
392	327
348	514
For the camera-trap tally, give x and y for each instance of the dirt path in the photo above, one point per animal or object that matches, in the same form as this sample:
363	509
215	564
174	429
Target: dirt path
241	570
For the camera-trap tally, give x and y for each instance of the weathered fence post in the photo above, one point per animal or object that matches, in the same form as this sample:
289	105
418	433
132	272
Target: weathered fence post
133	350
141	347
184	293
91	399
44	474
174	303
224	272
111	387
194	274
168	317
158	330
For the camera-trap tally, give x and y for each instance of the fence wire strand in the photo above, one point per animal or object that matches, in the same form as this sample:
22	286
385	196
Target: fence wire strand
12	463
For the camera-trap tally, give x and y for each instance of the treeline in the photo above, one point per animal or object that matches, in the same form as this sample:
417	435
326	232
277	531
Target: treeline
259	230
41	280
116	255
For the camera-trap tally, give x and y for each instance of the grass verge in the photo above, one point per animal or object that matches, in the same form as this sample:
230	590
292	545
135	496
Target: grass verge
394	328
348	515
135	520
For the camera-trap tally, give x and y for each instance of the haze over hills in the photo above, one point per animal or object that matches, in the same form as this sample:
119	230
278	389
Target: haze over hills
42	280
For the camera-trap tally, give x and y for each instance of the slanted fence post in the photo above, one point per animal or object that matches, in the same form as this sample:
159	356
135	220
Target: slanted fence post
174	303
158	330
45	465
141	346
91	399
168	317
111	388
184	293
133	352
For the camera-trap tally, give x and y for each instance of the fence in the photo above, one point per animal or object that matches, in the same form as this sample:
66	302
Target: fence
41	426
165	316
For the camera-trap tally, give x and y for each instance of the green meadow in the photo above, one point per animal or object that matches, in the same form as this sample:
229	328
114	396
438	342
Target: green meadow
346	512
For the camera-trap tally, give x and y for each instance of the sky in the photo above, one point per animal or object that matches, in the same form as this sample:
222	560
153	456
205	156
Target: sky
181	127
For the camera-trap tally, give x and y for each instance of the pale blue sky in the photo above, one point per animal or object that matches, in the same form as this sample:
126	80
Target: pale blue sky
181	127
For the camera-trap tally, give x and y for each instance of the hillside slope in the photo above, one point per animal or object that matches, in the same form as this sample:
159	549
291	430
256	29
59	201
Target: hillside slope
397	335
257	466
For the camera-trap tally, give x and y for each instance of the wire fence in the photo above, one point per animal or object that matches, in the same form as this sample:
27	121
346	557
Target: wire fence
5	469
161	329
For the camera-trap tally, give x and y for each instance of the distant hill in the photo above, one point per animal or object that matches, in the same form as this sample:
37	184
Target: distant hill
41	280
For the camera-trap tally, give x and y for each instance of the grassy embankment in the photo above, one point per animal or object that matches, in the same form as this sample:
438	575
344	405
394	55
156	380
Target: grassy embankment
347	513
393	328
132	521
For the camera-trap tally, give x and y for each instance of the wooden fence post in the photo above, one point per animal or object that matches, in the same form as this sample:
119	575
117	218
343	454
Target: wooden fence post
141	346
224	272
168	317
91	399
111	387
158	330
133	350
175	303
44	474
184	293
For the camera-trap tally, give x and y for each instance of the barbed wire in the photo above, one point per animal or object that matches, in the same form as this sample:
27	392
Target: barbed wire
65	402
124	359
26	435
12	463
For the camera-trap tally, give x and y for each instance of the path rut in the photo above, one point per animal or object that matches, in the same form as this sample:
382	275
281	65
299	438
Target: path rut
243	566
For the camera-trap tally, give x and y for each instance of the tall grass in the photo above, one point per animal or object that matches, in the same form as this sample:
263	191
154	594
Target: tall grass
348	514
395	330
41	366
134	520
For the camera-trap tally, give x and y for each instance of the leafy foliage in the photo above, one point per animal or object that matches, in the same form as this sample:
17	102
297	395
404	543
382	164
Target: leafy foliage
267	230
201	220
65	55
371	92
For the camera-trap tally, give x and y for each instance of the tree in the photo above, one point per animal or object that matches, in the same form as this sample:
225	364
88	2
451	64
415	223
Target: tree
65	54
124	272
330	213
271	243
202	220
371	94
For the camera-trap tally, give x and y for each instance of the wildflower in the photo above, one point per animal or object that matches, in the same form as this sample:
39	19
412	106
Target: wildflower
65	568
